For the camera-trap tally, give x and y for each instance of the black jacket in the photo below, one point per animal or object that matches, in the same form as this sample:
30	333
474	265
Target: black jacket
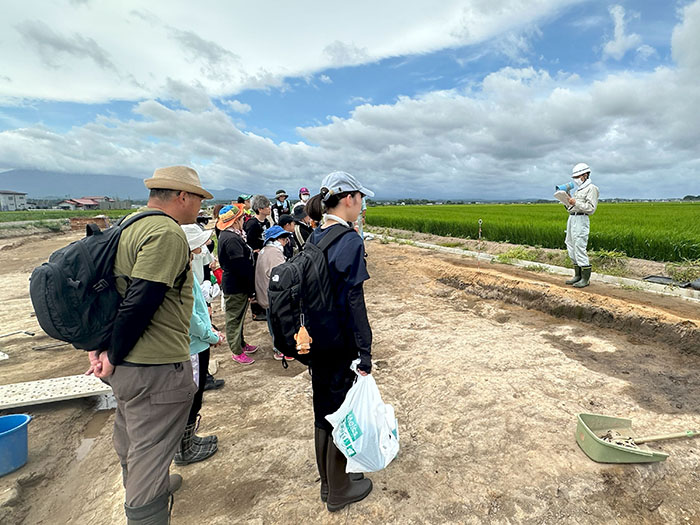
254	230
236	261
278	210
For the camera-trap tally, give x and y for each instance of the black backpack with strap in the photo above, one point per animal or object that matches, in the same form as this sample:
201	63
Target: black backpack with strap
300	293
74	294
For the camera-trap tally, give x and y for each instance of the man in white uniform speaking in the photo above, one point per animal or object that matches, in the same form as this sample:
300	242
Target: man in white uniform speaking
582	204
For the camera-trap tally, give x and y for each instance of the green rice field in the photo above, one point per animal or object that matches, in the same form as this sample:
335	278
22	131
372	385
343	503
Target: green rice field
41	215
658	231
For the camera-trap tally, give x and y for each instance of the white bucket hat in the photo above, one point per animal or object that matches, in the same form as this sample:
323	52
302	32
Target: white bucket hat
196	236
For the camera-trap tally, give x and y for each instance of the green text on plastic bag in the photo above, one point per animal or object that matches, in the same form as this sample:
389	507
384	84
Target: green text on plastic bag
352	427
349	431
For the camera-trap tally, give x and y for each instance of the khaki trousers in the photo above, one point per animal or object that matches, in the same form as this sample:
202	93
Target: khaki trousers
236	306
153	403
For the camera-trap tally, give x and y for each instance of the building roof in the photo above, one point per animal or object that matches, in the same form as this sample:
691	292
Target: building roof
10	192
98	198
86	202
81	202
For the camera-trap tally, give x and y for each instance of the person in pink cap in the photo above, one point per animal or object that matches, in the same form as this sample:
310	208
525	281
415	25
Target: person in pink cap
304	195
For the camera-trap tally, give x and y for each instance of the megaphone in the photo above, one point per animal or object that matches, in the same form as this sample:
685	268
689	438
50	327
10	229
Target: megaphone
565	187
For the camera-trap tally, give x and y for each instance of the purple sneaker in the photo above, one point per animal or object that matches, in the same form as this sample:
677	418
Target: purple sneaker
249	349
243	359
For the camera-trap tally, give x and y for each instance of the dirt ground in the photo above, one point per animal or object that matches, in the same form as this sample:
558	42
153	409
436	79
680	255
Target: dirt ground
486	368
633	268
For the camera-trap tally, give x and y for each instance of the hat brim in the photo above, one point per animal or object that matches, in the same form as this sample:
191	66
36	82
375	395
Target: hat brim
366	192
223	225
199	240
169	184
285	234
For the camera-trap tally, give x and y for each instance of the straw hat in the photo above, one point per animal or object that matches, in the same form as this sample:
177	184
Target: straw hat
179	178
230	214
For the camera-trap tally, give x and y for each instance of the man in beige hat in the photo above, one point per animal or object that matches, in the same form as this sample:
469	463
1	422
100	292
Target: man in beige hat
147	363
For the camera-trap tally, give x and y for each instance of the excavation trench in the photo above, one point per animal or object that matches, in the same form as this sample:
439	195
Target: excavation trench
682	334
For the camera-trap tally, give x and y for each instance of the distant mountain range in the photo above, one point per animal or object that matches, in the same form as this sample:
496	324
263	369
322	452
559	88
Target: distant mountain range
46	185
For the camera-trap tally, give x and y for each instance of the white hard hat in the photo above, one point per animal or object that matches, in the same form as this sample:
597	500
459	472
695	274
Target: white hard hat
580	169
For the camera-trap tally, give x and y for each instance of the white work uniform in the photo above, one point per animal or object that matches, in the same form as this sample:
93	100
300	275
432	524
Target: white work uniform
578	225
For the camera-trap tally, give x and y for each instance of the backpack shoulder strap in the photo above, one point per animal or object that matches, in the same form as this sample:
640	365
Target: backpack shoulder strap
298	236
332	236
124	222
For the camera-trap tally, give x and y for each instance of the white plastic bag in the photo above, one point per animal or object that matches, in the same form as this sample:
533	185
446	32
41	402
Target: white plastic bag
365	429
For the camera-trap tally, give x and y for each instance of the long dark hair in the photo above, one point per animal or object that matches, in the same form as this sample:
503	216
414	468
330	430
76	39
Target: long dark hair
316	206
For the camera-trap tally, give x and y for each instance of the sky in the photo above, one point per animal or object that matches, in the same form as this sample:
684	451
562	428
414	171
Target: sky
480	99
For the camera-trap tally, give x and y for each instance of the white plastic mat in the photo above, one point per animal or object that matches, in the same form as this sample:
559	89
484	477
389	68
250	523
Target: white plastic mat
50	390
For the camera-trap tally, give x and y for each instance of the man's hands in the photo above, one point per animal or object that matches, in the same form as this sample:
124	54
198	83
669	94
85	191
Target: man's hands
99	364
572	201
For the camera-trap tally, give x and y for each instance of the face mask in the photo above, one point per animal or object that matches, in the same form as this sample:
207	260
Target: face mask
578	181
304	198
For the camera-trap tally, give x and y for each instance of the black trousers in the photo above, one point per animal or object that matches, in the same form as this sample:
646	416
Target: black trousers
330	382
197	400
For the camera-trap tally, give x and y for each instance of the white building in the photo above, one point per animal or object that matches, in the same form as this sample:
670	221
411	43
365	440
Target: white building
12	200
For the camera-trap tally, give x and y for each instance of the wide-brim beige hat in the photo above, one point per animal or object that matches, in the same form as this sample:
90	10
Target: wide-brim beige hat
179	178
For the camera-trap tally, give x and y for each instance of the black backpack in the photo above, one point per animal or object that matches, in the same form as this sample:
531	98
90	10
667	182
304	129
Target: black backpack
74	294
300	293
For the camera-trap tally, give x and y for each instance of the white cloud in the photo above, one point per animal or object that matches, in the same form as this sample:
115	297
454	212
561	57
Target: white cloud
129	52
355	101
517	45
325	79
637	130
686	39
54	48
645	52
237	106
193	98
621	43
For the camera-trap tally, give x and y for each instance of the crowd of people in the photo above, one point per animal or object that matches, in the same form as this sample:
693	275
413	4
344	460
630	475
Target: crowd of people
175	266
158	359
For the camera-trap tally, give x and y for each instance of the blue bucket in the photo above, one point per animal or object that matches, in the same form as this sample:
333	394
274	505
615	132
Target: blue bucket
13	442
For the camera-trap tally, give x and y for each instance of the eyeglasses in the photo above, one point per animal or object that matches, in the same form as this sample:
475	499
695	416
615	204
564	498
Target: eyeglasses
196	196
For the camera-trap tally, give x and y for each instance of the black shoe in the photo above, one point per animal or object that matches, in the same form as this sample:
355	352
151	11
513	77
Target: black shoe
212	383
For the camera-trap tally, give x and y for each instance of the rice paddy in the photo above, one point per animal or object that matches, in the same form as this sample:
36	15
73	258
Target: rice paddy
658	231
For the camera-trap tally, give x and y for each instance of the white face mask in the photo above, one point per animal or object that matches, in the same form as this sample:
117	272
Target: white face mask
304	198
578	181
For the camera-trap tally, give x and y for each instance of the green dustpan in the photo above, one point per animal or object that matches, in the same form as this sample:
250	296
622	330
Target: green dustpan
591	427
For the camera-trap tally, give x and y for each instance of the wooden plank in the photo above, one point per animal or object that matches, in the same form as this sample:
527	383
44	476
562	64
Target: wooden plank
51	390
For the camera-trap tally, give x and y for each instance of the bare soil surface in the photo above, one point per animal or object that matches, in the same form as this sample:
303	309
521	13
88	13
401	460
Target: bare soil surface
628	267
486	368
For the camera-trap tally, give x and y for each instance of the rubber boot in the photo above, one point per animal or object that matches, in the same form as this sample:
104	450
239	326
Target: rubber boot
585	277
203	441
577	275
321	439
189	452
341	489
174	483
154	513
